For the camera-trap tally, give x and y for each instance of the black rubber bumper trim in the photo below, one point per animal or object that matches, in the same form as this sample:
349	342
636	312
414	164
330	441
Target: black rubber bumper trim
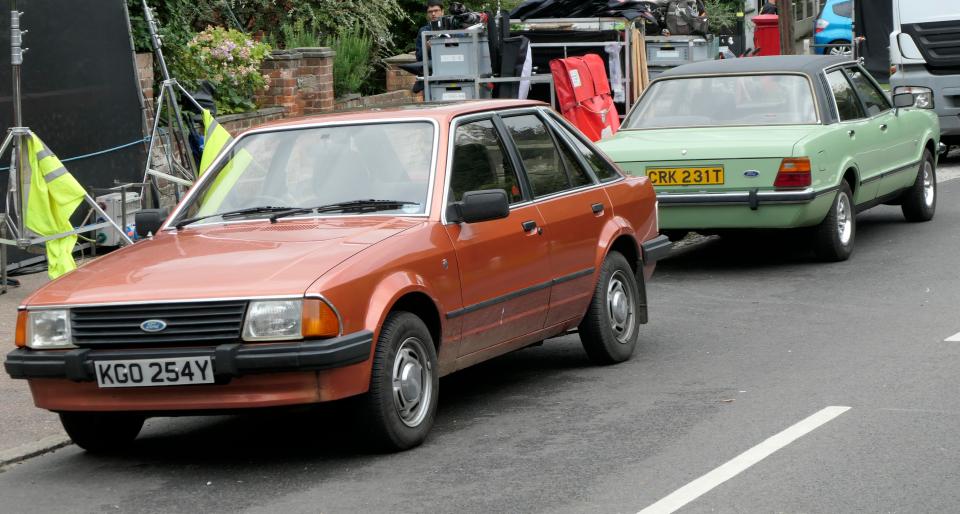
656	249
229	360
751	198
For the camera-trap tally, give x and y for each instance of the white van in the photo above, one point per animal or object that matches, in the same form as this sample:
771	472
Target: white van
925	58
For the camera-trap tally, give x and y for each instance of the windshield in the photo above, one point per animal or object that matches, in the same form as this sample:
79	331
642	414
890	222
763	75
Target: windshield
725	101
925	11
312	167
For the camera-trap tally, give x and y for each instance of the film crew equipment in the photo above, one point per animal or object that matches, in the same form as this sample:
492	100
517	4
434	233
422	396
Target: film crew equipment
18	181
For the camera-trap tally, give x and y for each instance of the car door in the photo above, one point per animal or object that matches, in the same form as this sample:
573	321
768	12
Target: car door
897	148
571	204
863	142
504	264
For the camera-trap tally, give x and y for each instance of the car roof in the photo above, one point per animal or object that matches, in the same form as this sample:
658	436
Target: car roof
809	65
443	112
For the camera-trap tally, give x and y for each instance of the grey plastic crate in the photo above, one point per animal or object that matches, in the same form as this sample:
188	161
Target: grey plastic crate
678	50
460	56
440	91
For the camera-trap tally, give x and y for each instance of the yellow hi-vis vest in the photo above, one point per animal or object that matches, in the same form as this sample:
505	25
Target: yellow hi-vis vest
215	137
49	198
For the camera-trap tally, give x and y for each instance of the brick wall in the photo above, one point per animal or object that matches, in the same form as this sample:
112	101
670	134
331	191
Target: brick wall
145	73
384	100
301	81
398	79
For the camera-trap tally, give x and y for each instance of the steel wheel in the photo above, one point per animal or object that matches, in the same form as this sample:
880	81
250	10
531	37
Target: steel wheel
929	189
844	219
622	312
412	382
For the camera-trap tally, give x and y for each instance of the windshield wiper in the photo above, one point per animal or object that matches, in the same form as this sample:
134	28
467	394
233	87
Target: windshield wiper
370	205
229	214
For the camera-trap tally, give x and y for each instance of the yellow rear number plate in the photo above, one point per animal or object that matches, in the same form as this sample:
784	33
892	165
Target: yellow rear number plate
699	176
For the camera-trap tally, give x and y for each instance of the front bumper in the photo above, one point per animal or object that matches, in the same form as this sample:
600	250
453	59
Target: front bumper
229	360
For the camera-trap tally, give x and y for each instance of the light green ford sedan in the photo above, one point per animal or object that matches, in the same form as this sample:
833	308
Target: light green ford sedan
780	142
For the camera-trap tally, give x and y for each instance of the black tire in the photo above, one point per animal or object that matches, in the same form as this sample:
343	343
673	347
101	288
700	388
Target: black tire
832	241
609	333
920	201
102	432
401	420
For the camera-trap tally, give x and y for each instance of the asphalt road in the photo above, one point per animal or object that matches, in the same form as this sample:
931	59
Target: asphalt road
748	337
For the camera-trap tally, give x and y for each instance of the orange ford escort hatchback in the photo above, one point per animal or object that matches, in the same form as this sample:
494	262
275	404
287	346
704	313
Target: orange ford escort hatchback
365	254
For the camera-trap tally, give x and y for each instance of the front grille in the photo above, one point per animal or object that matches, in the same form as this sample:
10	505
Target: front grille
201	323
939	42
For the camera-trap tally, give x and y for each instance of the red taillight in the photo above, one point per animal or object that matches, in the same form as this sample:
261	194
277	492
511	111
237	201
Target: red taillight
794	172
821	26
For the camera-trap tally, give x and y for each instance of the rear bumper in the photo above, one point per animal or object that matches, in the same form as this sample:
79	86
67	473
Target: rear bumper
753	198
229	360
656	249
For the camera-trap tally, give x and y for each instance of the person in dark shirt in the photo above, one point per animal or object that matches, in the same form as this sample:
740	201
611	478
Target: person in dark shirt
769	7
434	12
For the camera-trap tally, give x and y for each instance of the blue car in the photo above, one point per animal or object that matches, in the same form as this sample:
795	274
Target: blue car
834	27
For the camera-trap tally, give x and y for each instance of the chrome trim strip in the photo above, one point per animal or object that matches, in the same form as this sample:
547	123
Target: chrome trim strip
214	165
161	302
891	172
737	197
324	299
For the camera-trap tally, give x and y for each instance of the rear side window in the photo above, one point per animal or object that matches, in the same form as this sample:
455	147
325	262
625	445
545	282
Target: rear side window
873	99
481	162
844	9
601	168
545	167
847	103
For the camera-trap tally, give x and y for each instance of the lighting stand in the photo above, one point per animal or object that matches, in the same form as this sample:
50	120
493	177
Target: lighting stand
176	151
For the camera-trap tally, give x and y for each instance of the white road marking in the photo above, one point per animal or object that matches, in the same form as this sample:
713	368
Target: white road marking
955	338
732	468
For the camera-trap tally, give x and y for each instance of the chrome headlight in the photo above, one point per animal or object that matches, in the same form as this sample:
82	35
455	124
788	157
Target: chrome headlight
922	96
273	320
49	330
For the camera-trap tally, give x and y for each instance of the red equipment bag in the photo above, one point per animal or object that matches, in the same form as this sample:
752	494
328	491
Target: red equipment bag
583	94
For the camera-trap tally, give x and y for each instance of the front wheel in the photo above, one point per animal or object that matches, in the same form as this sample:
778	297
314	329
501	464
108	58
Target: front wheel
102	432
611	327
402	402
920	201
833	238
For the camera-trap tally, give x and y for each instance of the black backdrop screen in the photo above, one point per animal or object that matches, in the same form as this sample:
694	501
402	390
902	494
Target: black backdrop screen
80	87
873	19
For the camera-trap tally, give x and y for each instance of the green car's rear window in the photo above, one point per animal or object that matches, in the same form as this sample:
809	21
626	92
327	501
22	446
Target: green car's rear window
737	100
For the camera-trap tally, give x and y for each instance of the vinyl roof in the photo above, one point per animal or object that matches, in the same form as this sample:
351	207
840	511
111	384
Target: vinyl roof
807	64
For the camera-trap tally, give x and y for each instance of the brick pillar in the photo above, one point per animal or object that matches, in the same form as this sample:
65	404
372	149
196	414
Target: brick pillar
315	84
283	68
145	74
398	79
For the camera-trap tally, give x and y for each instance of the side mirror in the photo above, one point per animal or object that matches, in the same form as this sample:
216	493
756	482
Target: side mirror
149	221
903	100
477	206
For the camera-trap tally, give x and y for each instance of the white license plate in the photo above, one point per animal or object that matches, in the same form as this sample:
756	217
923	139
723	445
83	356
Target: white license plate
154	372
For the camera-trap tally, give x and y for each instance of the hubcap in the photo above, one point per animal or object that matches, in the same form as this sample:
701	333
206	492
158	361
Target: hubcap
412	382
622	312
844	218
840	50
929	188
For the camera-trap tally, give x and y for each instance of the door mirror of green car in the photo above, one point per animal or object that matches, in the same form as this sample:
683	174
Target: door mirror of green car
903	100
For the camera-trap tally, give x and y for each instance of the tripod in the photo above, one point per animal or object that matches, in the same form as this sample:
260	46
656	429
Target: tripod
180	165
18	180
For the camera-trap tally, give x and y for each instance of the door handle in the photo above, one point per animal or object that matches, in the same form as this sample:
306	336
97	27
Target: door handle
597	208
528	225
851	133
883	127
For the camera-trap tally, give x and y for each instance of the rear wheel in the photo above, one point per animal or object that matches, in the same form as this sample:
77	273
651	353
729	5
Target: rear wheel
102	432
839	50
920	201
611	327
833	238
400	408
